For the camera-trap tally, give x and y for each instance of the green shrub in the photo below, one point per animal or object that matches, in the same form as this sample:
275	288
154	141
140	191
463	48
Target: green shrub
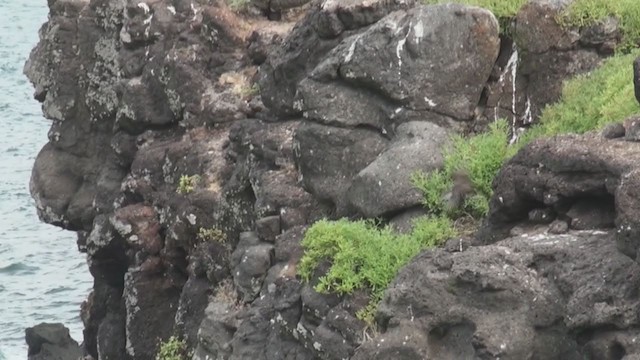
187	184
173	349
364	256
591	101
480	156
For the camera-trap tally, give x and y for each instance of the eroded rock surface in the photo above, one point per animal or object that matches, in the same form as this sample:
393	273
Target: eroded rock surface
570	296
51	342
190	176
577	176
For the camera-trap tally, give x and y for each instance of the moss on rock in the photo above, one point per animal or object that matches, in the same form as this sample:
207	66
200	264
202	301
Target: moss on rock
579	13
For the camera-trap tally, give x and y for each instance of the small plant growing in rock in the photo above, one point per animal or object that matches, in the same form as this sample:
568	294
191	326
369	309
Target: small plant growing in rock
212	234
238	5
173	349
481	157
365	256
187	184
226	293
250	91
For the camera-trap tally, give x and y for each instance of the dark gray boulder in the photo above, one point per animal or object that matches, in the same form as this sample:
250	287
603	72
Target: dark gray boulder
51	342
567	172
329	158
151	301
568	296
323	27
384	186
406	72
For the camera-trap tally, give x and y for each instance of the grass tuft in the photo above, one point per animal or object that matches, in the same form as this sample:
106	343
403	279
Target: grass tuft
212	235
173	349
500	8
589	12
591	101
481	157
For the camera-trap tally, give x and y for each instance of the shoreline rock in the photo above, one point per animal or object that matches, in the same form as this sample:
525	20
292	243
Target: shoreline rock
191	174
51	342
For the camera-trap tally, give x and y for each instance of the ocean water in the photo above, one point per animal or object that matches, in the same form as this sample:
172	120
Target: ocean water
43	278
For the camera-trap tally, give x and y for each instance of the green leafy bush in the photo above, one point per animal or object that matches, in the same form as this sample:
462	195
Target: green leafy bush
238	5
364	256
187	184
173	349
481	157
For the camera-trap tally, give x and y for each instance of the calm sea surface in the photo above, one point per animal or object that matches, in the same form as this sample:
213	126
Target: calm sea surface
43	278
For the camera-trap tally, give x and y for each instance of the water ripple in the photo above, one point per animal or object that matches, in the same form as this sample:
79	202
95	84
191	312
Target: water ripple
17	269
42	276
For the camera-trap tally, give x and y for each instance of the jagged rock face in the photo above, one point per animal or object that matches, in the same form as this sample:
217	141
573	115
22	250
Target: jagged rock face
572	296
191	199
354	152
142	94
580	178
313	37
530	75
350	87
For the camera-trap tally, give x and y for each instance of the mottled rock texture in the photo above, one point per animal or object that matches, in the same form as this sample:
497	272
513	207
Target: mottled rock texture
588	180
51	342
190	176
572	296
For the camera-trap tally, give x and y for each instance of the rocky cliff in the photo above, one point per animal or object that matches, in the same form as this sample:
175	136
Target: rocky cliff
192	144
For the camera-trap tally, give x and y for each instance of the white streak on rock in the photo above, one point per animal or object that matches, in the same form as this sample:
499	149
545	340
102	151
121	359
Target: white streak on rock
527	118
399	49
430	102
512	69
418	31
144	7
351	50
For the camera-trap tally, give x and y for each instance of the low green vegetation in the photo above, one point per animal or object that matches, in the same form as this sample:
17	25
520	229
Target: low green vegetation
173	349
591	101
238	5
250	91
589	12
212	235
366	256
578	13
187	184
481	157
500	8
